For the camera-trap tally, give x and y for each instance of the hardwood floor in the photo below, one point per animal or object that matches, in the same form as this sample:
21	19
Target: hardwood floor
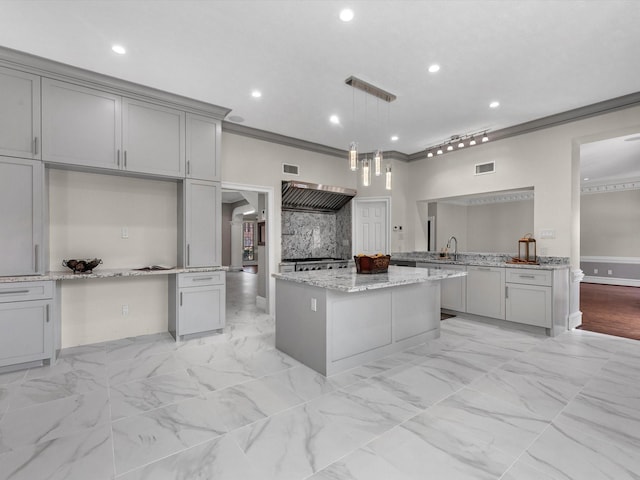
610	309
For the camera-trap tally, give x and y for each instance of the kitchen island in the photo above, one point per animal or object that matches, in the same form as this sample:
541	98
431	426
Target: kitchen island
333	320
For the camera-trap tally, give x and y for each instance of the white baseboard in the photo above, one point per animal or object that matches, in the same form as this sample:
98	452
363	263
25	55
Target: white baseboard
261	302
575	319
626	282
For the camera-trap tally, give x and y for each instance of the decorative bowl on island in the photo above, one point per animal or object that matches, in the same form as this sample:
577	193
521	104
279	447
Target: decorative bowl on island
82	266
377	263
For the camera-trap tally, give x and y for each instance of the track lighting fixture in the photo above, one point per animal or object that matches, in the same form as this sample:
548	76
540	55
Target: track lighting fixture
458	141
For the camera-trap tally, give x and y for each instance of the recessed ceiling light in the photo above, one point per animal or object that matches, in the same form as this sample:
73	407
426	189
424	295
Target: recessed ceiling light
119	49
346	15
494	104
334	119
256	94
585	178
434	68
236	118
394	138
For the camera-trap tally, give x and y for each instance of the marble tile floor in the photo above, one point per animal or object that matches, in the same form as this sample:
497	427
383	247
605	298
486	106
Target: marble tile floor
481	402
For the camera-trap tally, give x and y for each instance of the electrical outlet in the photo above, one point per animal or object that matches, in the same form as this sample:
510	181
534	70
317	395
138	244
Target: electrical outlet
595	271
610	272
124	232
125	310
395	228
314	304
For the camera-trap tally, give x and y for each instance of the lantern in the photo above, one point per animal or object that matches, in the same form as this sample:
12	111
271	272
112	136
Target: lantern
527	249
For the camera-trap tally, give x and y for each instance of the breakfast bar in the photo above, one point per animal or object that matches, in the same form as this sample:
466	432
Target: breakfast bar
333	320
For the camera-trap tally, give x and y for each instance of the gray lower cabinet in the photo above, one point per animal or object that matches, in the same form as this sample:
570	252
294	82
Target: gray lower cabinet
485	291
529	295
21	213
200	211
453	291
19	114
26	322
196	303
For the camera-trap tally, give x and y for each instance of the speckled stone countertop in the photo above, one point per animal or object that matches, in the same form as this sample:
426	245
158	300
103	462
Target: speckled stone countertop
347	280
482	259
107	273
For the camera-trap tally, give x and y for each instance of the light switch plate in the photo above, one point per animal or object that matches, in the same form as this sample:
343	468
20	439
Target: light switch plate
547	234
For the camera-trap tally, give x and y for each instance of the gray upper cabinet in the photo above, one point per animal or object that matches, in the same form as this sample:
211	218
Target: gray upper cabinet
19	114
153	139
92	128
21	210
80	126
201	238
203	147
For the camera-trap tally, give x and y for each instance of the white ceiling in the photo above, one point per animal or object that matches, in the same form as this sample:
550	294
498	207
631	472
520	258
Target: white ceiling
537	58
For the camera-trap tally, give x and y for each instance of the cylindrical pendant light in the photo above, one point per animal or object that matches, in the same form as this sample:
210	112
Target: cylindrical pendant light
366	172
353	156
387	183
377	162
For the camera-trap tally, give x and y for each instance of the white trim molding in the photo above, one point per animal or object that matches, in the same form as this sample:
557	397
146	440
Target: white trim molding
624	282
611	187
626	260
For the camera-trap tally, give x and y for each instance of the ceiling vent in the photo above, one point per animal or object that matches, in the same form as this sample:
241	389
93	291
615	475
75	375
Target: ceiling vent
484	168
289	169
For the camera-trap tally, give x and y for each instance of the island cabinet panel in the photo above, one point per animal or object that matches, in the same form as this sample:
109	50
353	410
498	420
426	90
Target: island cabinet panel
359	323
19	114
203	147
485	291
80	126
21	211
453	294
152	139
414	318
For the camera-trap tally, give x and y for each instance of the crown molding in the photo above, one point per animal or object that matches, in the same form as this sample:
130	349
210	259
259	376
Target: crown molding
59	71
610	187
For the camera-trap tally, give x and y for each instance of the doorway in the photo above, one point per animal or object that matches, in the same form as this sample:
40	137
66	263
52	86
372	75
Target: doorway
609	232
248	238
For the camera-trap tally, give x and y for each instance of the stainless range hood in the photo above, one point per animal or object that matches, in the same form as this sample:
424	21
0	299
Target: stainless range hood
313	197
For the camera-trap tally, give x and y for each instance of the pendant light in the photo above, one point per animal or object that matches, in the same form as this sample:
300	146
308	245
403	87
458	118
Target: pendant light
387	179
353	156
377	163
366	172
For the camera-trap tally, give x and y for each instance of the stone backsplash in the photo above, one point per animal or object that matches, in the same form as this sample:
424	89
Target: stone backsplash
311	234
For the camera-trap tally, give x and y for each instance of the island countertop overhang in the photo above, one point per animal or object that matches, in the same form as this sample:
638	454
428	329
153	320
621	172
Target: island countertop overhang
349	281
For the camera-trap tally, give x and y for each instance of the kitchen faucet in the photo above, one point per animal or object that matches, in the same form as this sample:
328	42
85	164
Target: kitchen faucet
455	251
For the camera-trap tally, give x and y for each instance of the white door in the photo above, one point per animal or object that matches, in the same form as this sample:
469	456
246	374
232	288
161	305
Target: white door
371	226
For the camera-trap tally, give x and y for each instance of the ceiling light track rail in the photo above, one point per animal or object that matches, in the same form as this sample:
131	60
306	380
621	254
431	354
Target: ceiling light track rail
371	89
456	142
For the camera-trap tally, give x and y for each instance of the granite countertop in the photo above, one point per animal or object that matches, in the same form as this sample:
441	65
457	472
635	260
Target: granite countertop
347	280
482	259
107	273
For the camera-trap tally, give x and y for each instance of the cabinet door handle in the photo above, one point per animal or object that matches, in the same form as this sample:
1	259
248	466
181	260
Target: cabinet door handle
125	159
188	255
35	145
118	158
180	298
506	292
14	292
188	167
47	312
200	279
35	254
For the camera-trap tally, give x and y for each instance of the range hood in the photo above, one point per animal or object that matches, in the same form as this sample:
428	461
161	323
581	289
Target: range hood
313	197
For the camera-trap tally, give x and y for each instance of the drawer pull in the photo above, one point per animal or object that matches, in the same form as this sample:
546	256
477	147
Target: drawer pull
201	279
14	292
484	269
527	276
